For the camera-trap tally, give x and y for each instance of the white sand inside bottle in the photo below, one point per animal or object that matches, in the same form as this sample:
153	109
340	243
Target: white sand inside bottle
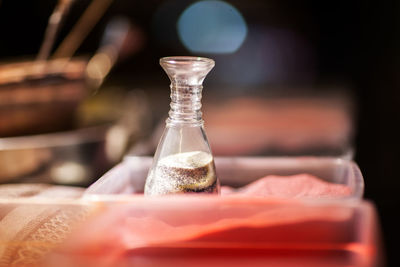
183	173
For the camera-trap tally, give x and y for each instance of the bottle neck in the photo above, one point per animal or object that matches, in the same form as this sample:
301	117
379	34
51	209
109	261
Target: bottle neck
185	105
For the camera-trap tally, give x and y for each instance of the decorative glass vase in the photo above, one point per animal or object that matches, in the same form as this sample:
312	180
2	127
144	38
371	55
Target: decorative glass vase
183	162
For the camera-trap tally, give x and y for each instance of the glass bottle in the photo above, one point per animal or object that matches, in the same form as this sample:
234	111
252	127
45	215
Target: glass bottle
183	162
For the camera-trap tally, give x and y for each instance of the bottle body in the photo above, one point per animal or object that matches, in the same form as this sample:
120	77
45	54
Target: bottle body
183	162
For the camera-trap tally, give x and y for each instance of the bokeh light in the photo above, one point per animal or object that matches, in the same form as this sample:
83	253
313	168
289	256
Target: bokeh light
214	27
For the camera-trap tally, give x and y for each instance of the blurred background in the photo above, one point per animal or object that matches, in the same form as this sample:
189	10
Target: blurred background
291	78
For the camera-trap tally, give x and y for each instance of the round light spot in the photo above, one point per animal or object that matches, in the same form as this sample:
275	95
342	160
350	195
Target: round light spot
214	27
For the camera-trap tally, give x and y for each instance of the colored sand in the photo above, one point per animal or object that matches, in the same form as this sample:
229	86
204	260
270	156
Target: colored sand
296	186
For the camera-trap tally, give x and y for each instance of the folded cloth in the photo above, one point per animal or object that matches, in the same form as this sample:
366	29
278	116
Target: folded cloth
39	191
32	222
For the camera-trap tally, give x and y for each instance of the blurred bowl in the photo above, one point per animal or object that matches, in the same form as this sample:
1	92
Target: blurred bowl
109	123
39	97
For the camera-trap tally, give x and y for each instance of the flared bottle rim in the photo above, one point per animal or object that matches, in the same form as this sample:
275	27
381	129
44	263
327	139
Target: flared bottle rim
186	61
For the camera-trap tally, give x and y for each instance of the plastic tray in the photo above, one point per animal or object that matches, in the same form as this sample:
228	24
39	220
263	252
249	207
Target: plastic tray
224	231
200	230
129	176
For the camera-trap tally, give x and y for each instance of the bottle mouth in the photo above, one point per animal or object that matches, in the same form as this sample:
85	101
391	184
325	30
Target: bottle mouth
186	61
